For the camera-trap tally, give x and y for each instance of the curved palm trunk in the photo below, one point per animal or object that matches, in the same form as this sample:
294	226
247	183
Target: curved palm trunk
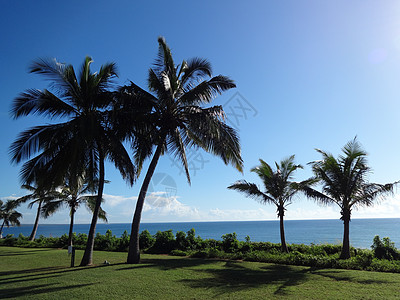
71	226
134	250
1	229
345	254
282	229
35	226
87	258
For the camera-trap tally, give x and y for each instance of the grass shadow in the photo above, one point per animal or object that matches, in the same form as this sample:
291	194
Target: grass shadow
339	275
36	290
27	252
169	264
235	276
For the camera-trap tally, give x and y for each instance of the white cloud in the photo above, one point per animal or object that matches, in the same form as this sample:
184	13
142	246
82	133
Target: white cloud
115	200
161	206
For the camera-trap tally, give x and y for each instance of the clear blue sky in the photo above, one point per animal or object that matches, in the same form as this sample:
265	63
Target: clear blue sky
309	74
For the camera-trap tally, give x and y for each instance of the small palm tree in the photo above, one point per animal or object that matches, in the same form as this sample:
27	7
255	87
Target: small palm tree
345	183
74	193
9	215
176	120
279	188
83	139
38	196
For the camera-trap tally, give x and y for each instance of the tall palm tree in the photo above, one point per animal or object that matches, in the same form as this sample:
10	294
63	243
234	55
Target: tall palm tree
74	193
279	188
38	196
83	137
178	120
9	215
345	183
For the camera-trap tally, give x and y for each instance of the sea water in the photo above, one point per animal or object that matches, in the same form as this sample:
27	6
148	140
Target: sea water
362	231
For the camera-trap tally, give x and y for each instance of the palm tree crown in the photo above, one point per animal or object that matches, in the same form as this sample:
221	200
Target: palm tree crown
9	215
76	191
177	119
345	182
37	196
81	141
279	187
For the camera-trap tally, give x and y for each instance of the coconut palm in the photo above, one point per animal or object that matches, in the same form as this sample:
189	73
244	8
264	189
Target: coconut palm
279	188
345	183
9	215
73	194
83	137
38	196
178	120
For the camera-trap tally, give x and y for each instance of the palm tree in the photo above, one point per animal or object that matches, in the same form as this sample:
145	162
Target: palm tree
73	194
279	188
83	139
38	196
178	120
9	215
345	183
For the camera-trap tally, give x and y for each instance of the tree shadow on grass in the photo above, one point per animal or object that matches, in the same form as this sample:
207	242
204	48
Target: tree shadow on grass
340	275
33	274
168	263
28	271
16	253
36	290
235	276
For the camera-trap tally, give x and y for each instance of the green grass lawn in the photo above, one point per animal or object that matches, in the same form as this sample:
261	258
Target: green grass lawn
28	273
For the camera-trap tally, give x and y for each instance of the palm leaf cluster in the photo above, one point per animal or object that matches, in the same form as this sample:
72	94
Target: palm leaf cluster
279	187
343	180
345	183
9	215
93	117
175	105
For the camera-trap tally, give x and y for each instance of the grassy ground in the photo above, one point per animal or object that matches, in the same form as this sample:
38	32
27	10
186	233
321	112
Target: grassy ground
45	274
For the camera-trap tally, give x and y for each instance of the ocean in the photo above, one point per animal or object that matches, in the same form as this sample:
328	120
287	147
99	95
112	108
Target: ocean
362	231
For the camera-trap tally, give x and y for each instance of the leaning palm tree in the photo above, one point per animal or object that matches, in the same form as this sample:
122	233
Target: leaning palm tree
75	192
345	183
83	139
279	188
37	196
9	215
178	120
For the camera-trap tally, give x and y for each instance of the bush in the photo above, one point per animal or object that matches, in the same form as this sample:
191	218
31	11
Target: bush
107	242
123	242
384	249
146	240
179	253
164	242
230	242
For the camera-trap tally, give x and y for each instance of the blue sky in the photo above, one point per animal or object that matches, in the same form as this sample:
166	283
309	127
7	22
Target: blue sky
309	74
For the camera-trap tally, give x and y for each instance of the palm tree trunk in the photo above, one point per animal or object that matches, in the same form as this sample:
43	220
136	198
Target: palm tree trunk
1	229
35	226
134	250
346	238
282	229
71	227
87	258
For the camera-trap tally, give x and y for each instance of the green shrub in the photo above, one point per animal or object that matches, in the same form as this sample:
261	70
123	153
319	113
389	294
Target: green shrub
384	249
164	242
382	265
123	242
146	240
107	242
230	242
179	253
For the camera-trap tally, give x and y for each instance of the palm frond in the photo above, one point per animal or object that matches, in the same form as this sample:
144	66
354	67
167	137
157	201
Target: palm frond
252	191
38	102
205	91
